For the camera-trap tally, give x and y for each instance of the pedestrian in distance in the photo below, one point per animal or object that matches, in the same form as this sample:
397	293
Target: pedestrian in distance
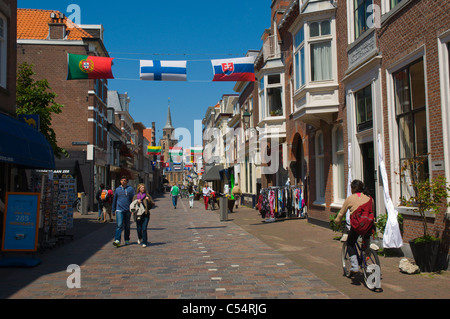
99	201
107	200
191	196
143	198
206	192
123	196
174	192
237	193
359	199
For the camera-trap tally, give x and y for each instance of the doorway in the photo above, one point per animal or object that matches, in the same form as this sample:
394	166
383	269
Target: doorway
368	166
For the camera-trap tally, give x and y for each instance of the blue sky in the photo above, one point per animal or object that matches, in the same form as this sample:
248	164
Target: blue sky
196	31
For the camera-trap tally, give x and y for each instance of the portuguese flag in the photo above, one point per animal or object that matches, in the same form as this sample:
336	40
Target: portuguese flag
88	67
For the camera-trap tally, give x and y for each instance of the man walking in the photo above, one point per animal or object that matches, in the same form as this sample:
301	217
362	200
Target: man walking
175	191
123	196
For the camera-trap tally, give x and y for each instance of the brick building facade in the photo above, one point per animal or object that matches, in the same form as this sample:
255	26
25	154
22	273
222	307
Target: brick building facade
355	72
44	38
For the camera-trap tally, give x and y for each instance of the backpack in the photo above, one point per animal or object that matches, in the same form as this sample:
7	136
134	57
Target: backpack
362	219
104	196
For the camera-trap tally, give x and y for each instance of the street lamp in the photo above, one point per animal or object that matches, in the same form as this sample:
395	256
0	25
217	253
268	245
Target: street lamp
246	117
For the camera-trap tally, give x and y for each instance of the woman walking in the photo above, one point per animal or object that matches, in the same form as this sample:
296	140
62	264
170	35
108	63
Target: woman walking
191	196
142	220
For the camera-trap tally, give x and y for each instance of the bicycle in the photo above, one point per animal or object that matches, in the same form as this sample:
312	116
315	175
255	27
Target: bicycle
368	261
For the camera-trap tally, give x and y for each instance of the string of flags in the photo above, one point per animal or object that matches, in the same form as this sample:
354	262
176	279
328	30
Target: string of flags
94	67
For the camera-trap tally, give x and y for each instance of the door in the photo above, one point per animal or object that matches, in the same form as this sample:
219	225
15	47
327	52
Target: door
369	172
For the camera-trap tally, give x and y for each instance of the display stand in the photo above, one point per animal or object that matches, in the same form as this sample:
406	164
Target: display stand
58	192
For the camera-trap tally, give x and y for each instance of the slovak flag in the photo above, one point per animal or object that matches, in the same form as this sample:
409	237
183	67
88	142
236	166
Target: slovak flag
239	69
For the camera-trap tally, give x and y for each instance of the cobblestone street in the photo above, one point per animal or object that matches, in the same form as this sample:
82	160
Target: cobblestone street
192	254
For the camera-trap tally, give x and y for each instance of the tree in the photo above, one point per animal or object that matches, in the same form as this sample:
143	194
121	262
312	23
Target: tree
35	97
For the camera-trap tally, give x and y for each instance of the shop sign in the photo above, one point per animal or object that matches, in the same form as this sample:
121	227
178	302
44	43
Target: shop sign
21	222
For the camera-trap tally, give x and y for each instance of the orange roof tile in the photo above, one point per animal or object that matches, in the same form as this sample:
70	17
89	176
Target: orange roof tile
33	24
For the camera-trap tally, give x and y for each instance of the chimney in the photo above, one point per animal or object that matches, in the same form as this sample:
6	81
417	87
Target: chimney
57	27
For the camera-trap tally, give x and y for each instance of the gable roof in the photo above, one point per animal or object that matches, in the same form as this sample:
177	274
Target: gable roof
33	24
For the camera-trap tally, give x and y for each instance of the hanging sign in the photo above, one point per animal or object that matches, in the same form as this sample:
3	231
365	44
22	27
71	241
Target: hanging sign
21	222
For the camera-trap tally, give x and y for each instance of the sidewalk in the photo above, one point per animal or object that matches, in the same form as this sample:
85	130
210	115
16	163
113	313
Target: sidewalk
314	248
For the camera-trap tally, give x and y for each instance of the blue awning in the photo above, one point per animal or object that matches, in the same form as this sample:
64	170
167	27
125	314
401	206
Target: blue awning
22	145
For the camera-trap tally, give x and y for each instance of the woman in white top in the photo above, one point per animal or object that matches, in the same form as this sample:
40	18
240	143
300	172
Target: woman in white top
206	192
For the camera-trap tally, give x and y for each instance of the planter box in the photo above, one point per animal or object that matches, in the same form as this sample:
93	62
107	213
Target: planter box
425	255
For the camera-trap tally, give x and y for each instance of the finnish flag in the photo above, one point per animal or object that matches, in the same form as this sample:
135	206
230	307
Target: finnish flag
154	70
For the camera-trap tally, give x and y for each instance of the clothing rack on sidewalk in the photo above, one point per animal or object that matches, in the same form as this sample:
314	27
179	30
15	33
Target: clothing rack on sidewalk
282	202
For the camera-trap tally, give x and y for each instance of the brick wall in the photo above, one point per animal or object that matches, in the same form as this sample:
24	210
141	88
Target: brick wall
50	62
414	28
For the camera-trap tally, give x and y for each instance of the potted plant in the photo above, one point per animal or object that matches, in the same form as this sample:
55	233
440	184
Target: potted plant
275	113
427	196
380	223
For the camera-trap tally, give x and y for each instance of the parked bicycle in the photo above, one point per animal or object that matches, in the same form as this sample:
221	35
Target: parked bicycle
368	262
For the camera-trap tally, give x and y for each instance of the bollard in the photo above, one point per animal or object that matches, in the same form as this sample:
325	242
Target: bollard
223	203
83	204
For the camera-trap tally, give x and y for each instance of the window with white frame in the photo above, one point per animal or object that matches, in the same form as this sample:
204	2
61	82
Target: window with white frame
338	165
361	16
320	168
271	95
3	50
410	109
262	100
363	106
320	46
299	58
393	3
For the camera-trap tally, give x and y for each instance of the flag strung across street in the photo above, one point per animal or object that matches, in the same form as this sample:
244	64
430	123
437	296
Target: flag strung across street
154	70
176	154
94	67
196	152
154	150
88	67
240	69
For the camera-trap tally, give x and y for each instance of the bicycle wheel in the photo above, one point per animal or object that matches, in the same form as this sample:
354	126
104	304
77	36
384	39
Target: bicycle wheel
346	265
372	269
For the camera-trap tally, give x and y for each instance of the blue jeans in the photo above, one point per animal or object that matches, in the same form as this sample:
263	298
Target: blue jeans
141	226
174	200
100	210
123	224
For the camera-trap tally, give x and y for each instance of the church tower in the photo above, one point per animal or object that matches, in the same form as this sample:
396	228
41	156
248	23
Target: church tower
174	177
